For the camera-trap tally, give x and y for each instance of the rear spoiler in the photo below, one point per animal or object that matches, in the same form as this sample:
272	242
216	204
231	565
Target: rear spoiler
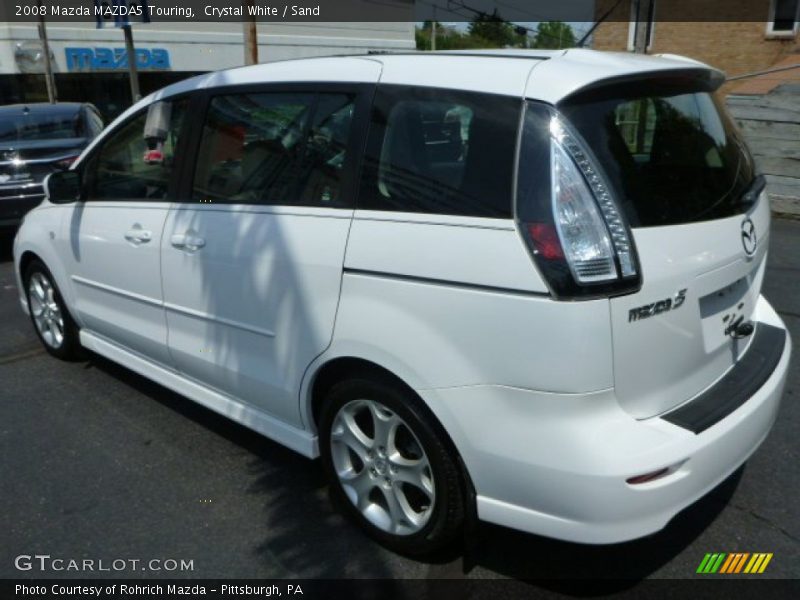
700	79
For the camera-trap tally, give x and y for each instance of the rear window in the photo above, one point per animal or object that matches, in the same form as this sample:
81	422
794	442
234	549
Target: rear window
673	156
440	151
44	125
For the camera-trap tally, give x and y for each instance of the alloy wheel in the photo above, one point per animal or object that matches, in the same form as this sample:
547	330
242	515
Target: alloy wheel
45	310
382	467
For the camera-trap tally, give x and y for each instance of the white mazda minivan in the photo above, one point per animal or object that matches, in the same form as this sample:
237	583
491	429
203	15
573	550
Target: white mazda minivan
519	285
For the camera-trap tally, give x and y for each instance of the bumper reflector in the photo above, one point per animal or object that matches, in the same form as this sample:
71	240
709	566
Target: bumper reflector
648	476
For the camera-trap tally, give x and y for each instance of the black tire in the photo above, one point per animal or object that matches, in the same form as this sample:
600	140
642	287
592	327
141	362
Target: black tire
446	518
69	347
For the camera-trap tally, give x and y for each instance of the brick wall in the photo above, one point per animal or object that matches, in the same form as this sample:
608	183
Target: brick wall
736	47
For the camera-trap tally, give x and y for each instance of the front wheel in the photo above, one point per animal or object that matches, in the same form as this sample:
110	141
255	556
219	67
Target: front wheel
51	319
389	466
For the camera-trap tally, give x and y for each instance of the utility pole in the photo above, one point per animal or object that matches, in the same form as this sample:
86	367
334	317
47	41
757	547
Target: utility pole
133	68
433	30
250	35
130	51
643	13
50	81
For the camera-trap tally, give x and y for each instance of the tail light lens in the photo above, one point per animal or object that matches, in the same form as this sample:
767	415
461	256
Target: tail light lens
581	230
568	214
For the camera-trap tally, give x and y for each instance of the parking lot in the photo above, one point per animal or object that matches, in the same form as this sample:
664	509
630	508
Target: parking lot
100	463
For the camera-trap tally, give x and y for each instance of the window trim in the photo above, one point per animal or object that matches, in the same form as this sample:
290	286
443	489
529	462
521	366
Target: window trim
771	33
106	135
364	93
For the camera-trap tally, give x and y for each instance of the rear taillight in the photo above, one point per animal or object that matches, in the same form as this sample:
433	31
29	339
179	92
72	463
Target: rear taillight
568	214
545	238
583	234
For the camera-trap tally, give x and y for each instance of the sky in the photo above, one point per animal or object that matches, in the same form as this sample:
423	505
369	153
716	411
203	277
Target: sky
528	13
512	10
579	27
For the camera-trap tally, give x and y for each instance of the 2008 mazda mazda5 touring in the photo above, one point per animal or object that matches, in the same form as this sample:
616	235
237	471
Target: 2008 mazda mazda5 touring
524	283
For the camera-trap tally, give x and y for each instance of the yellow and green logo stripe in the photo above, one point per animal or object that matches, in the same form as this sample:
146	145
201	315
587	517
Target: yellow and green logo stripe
734	562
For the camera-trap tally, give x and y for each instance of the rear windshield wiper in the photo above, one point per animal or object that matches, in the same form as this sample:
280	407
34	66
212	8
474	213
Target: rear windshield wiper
749	197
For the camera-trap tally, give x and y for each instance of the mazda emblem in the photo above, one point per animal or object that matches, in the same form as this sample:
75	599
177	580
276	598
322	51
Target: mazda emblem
749	240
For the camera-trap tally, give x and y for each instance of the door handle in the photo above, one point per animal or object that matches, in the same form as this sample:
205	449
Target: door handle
186	241
137	235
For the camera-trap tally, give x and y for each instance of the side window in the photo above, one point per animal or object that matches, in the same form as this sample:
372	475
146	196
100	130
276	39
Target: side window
274	148
440	151
136	162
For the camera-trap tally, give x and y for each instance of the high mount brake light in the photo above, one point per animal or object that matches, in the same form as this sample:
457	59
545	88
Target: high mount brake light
573	226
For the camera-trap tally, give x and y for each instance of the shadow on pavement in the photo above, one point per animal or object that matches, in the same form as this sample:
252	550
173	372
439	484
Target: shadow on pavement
303	533
560	566
6	245
309	537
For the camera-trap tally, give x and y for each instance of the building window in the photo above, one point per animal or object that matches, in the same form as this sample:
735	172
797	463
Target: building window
783	18
643	11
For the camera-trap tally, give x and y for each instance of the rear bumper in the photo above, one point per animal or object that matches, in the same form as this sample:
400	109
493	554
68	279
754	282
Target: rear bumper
557	464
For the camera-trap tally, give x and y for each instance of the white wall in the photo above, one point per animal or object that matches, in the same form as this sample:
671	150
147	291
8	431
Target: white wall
202	46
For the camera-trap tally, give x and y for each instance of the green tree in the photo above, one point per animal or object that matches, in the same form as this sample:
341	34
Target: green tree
447	38
554	34
423	36
428	25
496	32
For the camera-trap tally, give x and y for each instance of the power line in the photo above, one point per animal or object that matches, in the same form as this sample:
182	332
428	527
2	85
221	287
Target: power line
449	9
536	16
607	14
445	9
495	15
758	73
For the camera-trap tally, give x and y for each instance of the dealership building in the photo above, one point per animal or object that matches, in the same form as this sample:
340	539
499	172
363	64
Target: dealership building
90	63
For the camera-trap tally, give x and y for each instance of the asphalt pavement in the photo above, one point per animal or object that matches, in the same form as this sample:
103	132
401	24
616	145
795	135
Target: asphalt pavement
99	463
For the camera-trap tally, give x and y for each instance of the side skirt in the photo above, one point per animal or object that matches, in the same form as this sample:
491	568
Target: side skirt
293	438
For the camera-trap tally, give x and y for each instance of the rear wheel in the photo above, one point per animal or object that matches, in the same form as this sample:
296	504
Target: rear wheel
51	319
389	467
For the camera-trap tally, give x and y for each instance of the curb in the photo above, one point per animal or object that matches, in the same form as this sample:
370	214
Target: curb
785	206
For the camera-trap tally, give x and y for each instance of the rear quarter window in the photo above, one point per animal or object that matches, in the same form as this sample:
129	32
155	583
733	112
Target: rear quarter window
440	151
